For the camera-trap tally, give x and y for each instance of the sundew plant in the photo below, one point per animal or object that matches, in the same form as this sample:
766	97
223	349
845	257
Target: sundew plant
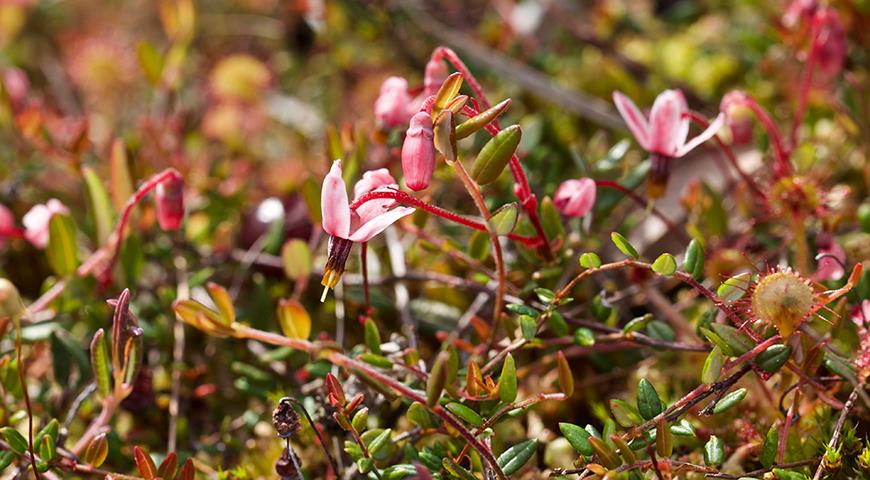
395	239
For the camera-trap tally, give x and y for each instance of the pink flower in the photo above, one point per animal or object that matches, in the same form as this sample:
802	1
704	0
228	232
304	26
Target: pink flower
576	197
7	224
831	265
418	152
36	221
434	76
667	130
347	227
829	42
861	314
664	135
392	106
170	203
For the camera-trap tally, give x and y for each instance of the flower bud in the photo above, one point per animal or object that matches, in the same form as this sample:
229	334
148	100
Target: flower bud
7	224
576	197
829	42
36	221
10	300
170	203
738	117
391	107
418	152
434	76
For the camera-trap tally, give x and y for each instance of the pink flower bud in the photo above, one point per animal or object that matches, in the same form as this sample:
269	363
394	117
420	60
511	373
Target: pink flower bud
36	221
738	117
418	152
576	197
829	42
170	203
833	258
797	11
436	73
391	107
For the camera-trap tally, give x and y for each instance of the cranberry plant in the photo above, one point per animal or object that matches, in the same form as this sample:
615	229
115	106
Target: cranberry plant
671	286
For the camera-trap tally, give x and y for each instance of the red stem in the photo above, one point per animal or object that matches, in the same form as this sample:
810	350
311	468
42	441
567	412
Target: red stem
782	157
365	277
643	203
806	80
403	197
729	154
524	192
145	189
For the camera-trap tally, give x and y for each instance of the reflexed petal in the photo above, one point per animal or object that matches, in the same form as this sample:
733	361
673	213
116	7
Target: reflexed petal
576	197
373	208
683	130
633	117
333	203
371	181
380	223
665	118
702	137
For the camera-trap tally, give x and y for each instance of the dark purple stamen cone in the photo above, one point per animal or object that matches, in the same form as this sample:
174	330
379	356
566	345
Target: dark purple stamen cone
285	419
660	170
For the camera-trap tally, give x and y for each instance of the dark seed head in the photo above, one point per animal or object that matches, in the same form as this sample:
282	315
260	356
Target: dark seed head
285	419
286	467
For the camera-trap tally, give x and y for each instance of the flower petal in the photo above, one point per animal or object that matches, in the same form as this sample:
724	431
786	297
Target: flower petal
633	117
665	127
373	208
372	180
702	137
380	223
333	203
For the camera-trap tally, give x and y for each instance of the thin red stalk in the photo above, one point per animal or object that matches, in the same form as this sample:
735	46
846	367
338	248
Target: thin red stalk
783	438
145	189
643	203
729	154
781	155
524	192
403	197
25	394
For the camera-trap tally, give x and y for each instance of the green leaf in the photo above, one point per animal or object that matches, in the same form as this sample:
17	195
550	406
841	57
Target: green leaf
6	458
729	400
558	324
468	415
15	440
379	442
734	288
101	207
376	360
513	459
100	363
504	219
62	251
638	323
419	415
360	419
623	245
372	336
769	447
456	470
664	438
737	341
577	437
529	327
665	264
840	366
694	261
625	413
714	451
520	309
507	382
605	452
545	294
495	155
712	366
584	337
590	260
46	448
683	428
661	331
648	402
478	246
437	379
481	120
551	219
773	357
296	259
788	475
294	319
51	429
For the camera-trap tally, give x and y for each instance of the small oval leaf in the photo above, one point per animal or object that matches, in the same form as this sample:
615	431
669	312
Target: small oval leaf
623	245
495	155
